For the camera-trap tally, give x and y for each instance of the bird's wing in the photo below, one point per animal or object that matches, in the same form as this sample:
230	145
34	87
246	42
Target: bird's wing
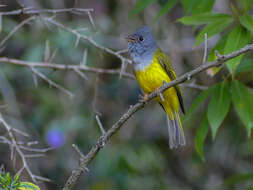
167	66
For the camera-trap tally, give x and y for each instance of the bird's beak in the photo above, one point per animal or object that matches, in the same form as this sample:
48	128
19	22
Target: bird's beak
130	38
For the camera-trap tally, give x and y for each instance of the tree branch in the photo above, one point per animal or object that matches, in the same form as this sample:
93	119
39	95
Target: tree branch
64	67
75	175
30	10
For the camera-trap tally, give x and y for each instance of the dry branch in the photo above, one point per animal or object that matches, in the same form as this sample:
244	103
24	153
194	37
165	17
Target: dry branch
15	146
75	175
52	83
31	10
89	39
15	29
64	67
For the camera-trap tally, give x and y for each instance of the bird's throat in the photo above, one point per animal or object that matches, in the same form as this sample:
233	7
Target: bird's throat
142	62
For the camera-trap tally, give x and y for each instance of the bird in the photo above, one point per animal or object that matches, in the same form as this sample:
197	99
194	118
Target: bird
153	68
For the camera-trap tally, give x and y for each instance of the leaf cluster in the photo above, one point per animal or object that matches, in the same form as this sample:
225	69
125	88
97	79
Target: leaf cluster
7	182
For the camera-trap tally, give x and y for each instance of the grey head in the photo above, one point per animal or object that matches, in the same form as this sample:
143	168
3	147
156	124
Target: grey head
141	45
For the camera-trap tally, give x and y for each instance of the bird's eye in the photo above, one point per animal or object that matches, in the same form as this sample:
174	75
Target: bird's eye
141	38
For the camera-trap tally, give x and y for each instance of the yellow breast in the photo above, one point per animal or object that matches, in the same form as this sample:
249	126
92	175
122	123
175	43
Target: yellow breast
151	77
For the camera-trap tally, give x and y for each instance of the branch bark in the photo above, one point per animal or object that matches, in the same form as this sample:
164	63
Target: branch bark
64	67
104	138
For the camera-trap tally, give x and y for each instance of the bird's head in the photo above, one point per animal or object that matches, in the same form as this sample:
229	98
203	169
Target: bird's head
141	44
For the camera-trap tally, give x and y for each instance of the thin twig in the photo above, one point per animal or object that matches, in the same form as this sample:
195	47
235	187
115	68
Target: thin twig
91	20
84	59
1	23
20	132
82	157
16	29
77	40
75	175
78	151
205	49
47	51
100	125
123	68
42	150
95	96
35	80
40	178
34	155
81	74
20	171
32	143
4	140
52	83
122	51
53	56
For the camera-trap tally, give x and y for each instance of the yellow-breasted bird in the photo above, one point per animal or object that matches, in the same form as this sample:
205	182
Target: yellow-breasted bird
152	68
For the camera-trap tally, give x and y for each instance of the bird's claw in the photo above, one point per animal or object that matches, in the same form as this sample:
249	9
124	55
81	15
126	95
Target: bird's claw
143	98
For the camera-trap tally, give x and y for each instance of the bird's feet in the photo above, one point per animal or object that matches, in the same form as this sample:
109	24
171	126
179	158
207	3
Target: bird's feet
157	90
143	98
159	94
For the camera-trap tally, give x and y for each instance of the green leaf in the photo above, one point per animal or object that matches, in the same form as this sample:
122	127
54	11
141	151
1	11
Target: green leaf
197	6
140	6
28	186
204	18
196	103
200	137
245	65
212	29
238	38
247	21
169	5
218	106
238	178
8	179
242	100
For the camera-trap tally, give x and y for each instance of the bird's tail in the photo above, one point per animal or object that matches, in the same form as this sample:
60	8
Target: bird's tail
176	133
